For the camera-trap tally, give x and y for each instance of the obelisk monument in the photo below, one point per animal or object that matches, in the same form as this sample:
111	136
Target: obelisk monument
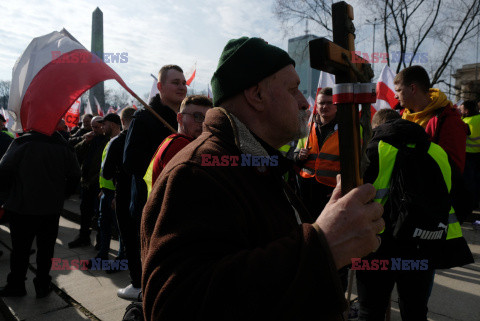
97	49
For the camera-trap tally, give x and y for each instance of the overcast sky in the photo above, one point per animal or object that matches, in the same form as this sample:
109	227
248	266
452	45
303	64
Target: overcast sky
153	33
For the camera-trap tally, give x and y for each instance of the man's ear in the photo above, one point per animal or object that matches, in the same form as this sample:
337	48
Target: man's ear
159	86
255	97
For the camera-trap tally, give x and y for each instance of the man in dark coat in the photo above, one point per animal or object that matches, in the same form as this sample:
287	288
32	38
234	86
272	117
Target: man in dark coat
89	153
147	132
223	236
77	137
42	171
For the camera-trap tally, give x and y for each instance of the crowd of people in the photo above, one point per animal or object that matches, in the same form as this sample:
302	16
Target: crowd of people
251	240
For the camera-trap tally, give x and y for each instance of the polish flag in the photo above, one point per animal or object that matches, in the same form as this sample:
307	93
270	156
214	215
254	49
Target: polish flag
154	90
88	109
73	114
191	74
385	90
209	92
99	109
325	80
4	112
53	71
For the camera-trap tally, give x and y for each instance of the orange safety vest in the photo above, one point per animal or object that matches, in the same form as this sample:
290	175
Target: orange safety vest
323	164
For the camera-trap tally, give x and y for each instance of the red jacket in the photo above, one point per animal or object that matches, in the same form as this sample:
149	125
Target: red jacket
449	131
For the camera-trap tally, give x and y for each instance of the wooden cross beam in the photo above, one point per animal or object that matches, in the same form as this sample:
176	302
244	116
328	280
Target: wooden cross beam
335	58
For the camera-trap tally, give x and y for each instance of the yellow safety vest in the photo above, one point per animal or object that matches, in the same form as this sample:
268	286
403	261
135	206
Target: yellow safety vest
473	140
387	155
106	183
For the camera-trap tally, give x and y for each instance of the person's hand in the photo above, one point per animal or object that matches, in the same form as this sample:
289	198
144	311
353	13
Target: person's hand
351	223
303	153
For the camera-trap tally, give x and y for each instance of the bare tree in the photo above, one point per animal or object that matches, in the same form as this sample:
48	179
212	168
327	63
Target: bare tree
4	92
292	12
439	28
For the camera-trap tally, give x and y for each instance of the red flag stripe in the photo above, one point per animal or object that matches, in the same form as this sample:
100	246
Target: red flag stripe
387	94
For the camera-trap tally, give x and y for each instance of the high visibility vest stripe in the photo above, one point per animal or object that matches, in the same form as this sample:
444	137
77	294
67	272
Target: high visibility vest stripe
330	157
148	178
326	173
473	145
473	138
106	183
381	193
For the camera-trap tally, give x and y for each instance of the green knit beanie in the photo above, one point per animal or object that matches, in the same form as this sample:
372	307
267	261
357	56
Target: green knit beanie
244	63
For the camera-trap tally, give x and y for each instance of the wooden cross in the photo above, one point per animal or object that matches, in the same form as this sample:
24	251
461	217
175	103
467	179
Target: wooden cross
335	58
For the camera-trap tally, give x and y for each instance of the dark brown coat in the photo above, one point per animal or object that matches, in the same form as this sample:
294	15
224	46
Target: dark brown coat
223	243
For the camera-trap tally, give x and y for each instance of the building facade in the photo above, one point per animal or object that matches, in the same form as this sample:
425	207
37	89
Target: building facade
298	50
467	82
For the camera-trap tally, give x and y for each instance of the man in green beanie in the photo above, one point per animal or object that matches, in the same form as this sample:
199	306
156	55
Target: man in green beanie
223	236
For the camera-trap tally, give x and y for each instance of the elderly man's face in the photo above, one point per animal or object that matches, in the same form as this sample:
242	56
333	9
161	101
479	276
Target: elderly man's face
87	123
97	128
288	108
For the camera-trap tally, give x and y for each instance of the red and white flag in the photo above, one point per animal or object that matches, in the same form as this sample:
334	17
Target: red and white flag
88	108
190	75
111	110
325	80
73	114
154	90
99	108
209	92
385	90
53	71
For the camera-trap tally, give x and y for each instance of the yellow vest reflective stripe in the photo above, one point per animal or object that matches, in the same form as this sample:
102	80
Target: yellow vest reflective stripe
473	140
386	160
387	155
440	156
106	183
148	178
8	133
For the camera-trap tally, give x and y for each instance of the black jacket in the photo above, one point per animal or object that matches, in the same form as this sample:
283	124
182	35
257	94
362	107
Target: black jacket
441	254
77	137
90	157
113	167
5	141
144	136
41	171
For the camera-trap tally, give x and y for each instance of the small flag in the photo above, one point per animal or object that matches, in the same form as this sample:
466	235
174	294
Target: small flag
191	74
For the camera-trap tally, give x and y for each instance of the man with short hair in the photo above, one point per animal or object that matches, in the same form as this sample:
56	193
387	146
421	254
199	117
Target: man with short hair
113	170
430	108
146	132
190	120
471	117
41	172
89	152
77	137
320	160
232	241
112	126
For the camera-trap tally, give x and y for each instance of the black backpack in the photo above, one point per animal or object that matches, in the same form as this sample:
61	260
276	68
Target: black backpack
419	201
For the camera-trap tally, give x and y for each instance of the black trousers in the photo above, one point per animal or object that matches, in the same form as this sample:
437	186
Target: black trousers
130	233
314	195
88	209
374	289
23	229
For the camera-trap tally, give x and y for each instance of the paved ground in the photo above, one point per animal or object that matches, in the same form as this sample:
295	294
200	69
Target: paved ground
84	295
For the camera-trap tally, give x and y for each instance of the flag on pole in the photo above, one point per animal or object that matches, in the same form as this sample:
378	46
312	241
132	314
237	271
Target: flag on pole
385	90
99	108
8	123
154	90
324	80
111	110
88	109
73	114
191	74
209	92
43	88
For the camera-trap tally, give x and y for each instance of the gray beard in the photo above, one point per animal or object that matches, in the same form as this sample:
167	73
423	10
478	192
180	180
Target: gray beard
302	131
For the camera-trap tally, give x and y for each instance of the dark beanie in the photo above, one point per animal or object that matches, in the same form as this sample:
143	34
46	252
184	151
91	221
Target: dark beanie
244	63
